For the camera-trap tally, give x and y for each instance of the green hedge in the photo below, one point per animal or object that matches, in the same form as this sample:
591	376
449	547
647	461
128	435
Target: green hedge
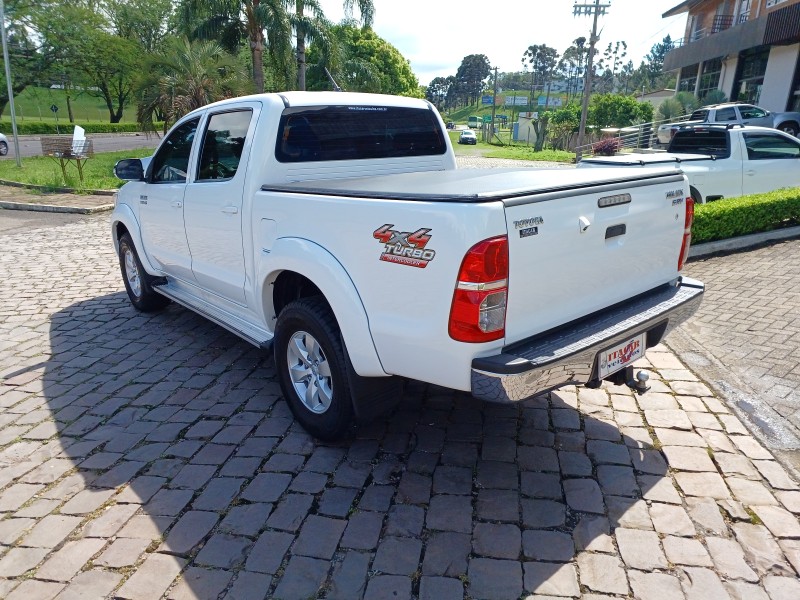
45	128
732	217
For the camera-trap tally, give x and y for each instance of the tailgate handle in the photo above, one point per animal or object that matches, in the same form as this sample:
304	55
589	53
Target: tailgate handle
615	231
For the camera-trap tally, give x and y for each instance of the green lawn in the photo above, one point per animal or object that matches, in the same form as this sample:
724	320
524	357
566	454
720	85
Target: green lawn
97	173
34	103
517	151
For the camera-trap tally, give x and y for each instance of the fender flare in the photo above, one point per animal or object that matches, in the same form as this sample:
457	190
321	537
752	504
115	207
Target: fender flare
319	266
124	215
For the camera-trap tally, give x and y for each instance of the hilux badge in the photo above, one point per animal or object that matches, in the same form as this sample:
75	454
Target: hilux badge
527	223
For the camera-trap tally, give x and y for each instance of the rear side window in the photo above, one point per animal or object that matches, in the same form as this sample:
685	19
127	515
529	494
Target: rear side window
223	144
693	141
726	114
310	134
699	115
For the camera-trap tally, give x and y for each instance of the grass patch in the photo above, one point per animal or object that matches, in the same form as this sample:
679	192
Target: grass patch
732	217
517	151
97	171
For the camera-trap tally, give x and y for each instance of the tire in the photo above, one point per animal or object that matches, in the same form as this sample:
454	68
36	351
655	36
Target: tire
138	283
313	369
790	128
3	148
696	196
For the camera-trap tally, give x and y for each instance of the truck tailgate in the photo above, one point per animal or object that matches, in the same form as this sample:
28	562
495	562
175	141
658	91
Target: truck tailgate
575	251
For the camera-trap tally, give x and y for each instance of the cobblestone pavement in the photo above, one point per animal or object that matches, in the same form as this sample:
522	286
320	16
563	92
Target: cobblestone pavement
149	456
749	323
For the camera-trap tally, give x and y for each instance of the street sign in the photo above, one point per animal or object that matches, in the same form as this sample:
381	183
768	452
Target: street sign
54	108
486	100
487	118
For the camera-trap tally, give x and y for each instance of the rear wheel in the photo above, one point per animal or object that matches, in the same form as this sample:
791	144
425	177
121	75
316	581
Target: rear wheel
313	369
3	148
790	128
138	282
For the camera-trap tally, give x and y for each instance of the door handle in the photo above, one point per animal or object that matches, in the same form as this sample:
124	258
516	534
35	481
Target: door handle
176	204
750	173
230	210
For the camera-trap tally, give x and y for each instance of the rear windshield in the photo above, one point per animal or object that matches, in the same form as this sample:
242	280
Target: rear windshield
693	141
309	134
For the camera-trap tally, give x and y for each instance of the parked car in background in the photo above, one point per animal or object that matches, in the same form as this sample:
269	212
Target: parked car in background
722	161
3	145
467	137
451	125
743	114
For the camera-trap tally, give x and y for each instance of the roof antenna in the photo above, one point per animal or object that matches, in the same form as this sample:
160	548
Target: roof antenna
335	85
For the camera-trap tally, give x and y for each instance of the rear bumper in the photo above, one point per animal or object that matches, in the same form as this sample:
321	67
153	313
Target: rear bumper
568	354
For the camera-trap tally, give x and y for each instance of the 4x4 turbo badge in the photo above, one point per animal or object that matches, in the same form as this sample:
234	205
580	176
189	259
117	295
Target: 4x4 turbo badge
405	248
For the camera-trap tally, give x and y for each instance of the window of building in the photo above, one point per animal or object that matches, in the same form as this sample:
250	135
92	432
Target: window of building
709	81
744	10
750	75
771	3
688	80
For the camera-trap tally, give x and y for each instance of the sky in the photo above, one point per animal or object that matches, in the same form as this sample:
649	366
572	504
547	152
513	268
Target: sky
435	35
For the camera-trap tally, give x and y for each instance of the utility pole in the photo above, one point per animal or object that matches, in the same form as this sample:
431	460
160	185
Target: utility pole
8	81
494	102
595	9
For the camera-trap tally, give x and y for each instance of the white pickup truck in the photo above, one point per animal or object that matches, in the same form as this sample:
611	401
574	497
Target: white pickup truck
335	230
722	161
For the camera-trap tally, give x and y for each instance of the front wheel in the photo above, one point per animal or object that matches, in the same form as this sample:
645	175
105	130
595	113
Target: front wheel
790	128
3	148
138	282
312	368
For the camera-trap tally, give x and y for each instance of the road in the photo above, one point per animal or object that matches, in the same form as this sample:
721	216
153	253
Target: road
30	145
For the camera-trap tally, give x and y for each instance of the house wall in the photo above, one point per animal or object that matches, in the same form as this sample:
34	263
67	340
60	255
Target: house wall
728	75
778	79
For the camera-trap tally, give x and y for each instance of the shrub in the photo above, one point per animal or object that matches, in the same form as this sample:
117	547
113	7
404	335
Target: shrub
607	147
733	217
49	128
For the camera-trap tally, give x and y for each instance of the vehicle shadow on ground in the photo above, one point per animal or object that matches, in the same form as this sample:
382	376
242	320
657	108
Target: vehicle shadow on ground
181	457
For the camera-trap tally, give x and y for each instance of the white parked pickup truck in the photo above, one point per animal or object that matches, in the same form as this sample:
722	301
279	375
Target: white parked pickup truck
722	161
335	230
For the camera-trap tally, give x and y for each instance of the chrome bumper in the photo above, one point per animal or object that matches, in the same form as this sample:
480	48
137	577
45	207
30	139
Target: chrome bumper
568	354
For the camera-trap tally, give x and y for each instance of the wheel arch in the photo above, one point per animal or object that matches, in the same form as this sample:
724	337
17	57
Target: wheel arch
696	195
296	268
124	221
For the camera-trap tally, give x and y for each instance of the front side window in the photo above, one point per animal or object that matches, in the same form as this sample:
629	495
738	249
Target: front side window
325	133
223	144
765	146
171	162
752	112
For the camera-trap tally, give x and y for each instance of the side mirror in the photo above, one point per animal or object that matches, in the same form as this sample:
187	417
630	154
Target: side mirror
129	169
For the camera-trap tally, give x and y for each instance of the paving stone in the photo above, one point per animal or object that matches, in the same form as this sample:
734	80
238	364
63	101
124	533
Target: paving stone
628	512
602	573
319	537
290	512
655	586
750	447
218	494
144	527
575	464
688	459
776	475
224	551
336	501
446	554
705	513
701	584
188	532
19	560
674	437
761	550
496	540
705	485
640	549
739	590
303	578
782	588
363	530
607	453
548	546
751	493
91	584
123	552
66	562
50	531
491	578
266	487
584	495
397	556
717	441
440	588
200	584
497	475
152	578
648	461
543	578
141	489
452	480
617	480
388	587
658	489
541	485
168	503
685	551
779	521
268	552
450	513
536	458
729	560
791	550
592	533
349	578
12	529
34	589
791	500
498	505
671	520
405	521
249	586
17	495
669	419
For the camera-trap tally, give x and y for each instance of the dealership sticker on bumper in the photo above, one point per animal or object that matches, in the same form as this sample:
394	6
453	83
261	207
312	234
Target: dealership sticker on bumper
620	356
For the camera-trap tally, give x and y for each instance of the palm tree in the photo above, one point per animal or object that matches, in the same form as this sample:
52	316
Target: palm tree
186	76
317	28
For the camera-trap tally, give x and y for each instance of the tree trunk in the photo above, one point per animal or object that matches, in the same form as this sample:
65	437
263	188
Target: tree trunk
301	50
257	50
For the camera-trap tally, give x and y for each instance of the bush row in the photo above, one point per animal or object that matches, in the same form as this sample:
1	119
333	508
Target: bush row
45	128
731	217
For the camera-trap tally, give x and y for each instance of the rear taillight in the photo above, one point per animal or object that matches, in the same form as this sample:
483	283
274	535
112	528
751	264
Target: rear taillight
478	313
687	233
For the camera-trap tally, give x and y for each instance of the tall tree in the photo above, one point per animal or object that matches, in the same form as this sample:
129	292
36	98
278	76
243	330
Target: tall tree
145	21
109	68
27	62
542	60
653	64
471	77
